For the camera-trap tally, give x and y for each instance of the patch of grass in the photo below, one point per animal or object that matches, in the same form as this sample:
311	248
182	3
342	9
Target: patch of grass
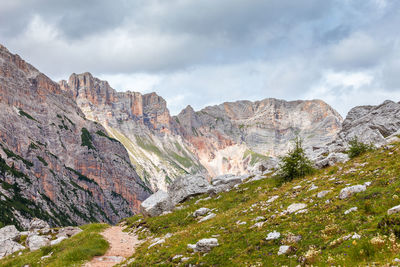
86	139
71	252
33	146
42	160
148	146
101	133
255	157
24	114
11	154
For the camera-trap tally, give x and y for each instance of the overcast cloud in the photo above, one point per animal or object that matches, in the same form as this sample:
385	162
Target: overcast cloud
345	52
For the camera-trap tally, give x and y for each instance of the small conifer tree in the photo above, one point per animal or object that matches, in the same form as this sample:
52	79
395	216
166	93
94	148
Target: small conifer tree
357	148
295	164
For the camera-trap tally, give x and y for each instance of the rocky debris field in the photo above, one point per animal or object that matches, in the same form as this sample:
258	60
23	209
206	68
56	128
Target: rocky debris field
187	187
39	235
343	215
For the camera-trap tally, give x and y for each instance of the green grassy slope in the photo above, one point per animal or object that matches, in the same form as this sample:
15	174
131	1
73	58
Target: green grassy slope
323	228
71	252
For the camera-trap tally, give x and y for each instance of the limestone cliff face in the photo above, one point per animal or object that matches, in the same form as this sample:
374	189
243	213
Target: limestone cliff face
142	123
227	138
61	166
233	137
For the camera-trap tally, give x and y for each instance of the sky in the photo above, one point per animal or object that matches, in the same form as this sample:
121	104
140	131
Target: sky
345	52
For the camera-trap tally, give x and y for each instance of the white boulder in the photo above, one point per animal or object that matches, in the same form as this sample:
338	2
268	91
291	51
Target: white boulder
208	217
395	209
204	245
201	212
351	190
9	232
295	208
273	236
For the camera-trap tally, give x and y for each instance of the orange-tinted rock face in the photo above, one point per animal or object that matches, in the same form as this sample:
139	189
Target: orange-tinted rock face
96	96
41	129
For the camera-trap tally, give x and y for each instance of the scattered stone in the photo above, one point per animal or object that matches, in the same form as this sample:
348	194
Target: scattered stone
313	187
204	245
68	231
356	236
258	225
259	218
8	247
295	207
351	210
273	236
177	257
283	250
323	193
9	232
47	256
202	199
37	224
58	240
296	187
240	223
201	212
272	199
208	217
157	242
302	211
35	242
185	259
291	239
349	191
395	209
367	184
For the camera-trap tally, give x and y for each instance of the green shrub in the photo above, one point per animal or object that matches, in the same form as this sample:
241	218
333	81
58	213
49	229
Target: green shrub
390	225
358	148
86	139
101	133
24	114
295	164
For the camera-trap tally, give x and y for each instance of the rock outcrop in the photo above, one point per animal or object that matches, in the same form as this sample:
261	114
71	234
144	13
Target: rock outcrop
376	125
142	123
240	138
236	137
54	163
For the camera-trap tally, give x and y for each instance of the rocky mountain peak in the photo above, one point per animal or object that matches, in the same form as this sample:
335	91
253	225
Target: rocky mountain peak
53	161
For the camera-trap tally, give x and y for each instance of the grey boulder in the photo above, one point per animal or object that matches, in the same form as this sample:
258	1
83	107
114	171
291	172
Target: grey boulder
204	245
156	204
351	190
35	242
8	247
9	232
188	186
225	182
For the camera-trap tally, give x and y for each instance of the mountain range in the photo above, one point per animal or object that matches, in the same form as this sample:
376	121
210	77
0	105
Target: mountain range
79	151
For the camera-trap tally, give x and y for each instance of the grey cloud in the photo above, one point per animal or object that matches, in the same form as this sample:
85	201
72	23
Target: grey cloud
227	50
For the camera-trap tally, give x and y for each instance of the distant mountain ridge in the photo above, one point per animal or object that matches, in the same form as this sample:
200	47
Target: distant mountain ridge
234	137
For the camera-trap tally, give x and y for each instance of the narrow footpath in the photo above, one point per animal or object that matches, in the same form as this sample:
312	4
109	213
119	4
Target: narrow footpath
122	246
